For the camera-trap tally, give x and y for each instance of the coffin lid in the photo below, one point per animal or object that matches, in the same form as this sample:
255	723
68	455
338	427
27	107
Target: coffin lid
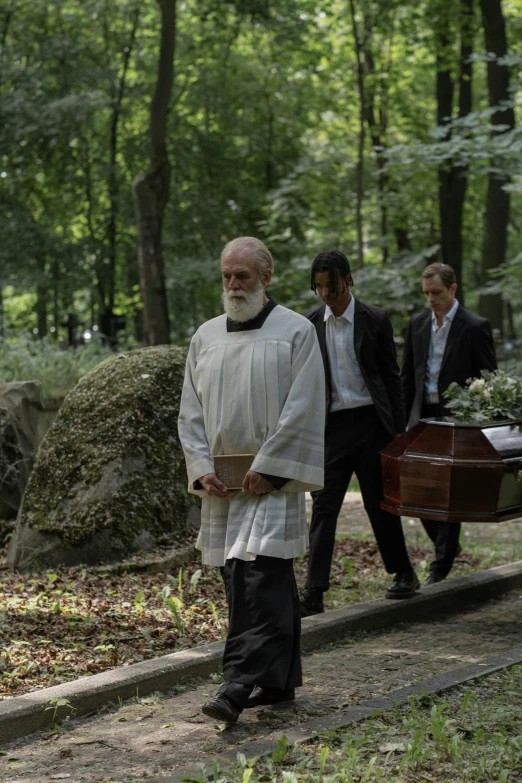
493	441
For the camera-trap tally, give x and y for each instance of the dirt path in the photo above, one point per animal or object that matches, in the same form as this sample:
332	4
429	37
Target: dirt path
506	535
154	736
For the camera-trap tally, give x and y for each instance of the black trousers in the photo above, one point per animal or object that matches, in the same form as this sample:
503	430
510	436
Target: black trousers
445	535
263	645
353	439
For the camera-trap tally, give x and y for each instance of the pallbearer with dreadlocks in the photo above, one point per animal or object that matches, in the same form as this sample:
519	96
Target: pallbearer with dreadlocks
365	411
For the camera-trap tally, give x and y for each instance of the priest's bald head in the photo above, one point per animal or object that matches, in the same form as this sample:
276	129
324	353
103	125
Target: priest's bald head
246	266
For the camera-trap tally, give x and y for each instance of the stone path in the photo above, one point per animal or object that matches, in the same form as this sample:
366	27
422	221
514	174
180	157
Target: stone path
154	736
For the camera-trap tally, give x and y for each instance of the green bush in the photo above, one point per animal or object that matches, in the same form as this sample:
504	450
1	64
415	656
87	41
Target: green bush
25	359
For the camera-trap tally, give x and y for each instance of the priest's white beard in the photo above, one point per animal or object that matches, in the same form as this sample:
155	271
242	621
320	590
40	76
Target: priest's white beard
243	305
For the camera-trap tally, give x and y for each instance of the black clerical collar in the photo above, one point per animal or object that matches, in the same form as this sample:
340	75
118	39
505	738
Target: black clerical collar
253	323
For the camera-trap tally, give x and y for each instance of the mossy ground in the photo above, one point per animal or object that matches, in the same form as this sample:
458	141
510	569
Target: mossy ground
121	417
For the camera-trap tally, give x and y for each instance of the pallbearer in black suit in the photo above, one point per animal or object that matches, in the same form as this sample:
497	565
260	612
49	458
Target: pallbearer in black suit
364	412
445	344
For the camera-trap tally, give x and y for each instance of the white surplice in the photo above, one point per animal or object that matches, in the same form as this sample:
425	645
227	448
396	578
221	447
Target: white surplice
259	391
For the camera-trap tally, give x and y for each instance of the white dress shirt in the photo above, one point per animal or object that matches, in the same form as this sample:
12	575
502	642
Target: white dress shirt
348	387
438	340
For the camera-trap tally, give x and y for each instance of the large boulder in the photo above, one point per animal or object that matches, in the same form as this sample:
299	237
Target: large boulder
23	423
110	475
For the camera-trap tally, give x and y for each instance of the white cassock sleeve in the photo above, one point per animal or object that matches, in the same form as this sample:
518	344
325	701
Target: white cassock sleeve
191	426
295	450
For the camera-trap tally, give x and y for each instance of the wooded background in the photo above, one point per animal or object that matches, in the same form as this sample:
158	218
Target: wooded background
138	136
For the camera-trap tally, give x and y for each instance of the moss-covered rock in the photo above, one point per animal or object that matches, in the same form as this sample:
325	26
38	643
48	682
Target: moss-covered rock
110	474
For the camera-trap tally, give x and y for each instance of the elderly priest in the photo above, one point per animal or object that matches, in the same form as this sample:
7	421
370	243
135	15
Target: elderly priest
254	386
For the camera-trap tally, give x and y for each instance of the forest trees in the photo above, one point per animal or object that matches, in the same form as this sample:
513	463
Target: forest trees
494	244
361	124
151	190
453	32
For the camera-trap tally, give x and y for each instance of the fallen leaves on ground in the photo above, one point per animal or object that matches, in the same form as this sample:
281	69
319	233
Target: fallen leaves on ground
65	623
72	622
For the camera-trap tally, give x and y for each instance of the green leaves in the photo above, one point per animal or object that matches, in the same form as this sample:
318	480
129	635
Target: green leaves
55	704
174	605
24	358
495	396
194	579
281	750
139	600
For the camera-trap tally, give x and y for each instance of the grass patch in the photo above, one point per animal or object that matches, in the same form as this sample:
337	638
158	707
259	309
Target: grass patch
472	734
58	369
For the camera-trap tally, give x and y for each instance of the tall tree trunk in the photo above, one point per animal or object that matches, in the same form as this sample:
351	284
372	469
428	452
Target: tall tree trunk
359	170
496	216
5	30
99	270
458	174
444	93
269	163
113	184
377	119
41	308
377	128
55	271
2	322
402	237
452	178
511	328
151	190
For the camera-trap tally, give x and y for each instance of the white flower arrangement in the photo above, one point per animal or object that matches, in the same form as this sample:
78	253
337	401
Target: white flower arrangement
495	396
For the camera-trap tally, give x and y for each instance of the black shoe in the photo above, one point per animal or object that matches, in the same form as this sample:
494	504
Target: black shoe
311	602
264	696
221	709
404	585
434	579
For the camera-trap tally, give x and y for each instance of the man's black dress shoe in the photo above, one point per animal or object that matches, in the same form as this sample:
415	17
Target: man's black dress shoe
264	696
404	585
433	579
222	709
311	602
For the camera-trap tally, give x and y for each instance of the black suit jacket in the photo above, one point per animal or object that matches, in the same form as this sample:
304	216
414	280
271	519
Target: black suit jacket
469	349
377	358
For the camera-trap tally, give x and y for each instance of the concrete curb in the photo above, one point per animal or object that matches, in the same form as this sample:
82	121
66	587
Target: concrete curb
24	715
304	732
379	614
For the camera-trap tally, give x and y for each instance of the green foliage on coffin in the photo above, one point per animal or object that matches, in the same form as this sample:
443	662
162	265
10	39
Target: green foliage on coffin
494	397
110	474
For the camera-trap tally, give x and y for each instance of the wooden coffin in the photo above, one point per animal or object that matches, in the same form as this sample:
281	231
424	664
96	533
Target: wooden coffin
455	472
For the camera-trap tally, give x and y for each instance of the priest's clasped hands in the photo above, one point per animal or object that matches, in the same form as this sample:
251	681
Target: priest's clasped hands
253	484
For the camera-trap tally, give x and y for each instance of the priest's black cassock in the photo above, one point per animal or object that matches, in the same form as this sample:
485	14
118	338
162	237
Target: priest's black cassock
256	387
